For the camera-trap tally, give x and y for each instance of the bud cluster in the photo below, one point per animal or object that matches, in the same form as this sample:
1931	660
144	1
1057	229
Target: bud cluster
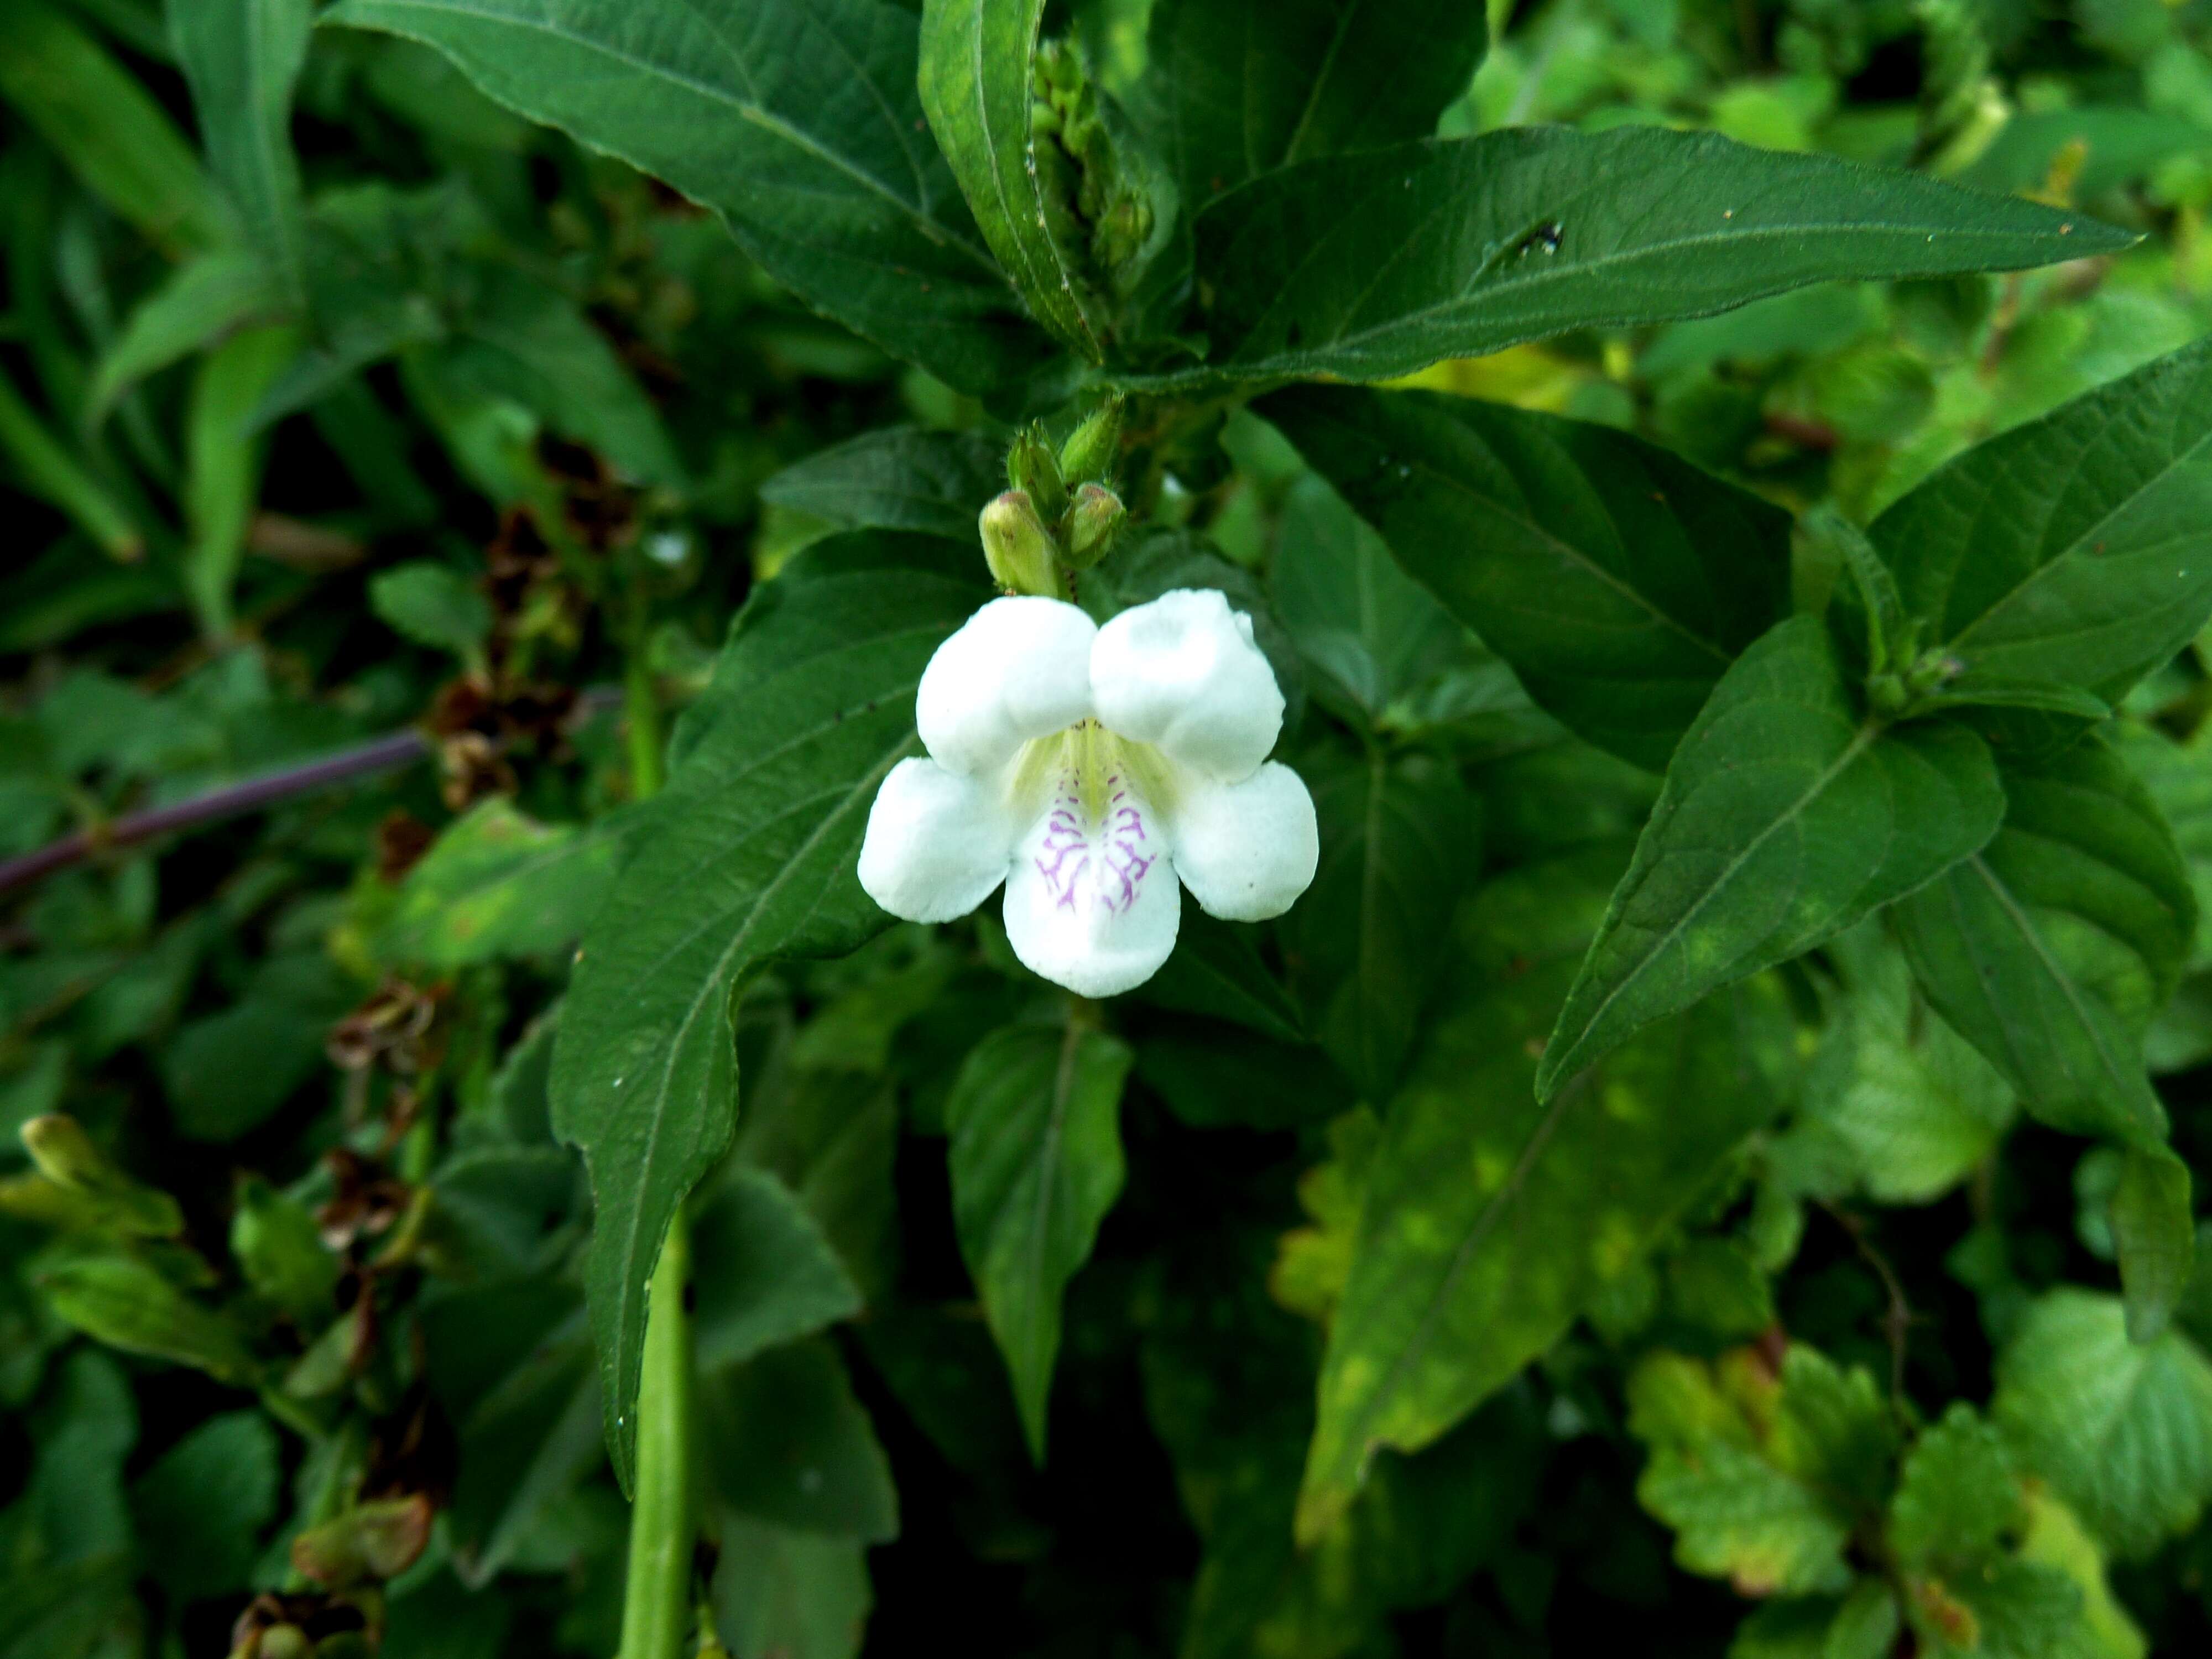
1039	530
1094	203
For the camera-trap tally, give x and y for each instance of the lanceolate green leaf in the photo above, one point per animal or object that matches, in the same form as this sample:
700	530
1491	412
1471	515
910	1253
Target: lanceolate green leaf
1787	815
241	57
752	858
1490	1221
433	604
1037	1163
974	78
114	136
796	120
122	1301
2052	948
1235	89
898	479
1618	581
1373	264
2076	548
41	465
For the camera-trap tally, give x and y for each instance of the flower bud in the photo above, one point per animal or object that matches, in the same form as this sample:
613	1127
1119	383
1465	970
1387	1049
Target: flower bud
31	1197
66	1156
1032	469
379	1540
1092	522
1932	670
1016	545
1089	452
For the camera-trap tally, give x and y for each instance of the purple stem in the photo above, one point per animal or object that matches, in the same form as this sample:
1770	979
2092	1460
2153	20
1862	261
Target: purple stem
363	760
383	753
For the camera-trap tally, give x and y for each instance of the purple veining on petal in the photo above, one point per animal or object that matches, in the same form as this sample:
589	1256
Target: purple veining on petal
1064	857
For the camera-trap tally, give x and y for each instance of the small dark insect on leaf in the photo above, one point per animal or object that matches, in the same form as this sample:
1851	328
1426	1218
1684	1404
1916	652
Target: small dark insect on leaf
1544	238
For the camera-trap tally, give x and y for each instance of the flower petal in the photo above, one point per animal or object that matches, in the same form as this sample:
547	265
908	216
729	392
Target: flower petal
1245	850
1018	669
1092	902
937	842
1181	673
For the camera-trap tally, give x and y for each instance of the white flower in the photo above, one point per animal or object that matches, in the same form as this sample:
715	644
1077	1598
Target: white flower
1088	768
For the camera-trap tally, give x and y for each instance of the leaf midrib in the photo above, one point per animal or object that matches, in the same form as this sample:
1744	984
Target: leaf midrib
1537	278
629	1284
753	763
715	982
2071	554
1319	83
1417	1341
1063	1091
2118	1075
716	985
756	114
1863	740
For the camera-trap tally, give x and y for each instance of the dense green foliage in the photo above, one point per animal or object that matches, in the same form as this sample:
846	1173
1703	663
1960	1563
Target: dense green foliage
1725	490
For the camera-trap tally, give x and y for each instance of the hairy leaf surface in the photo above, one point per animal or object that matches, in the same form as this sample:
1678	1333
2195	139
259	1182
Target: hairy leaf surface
752	858
1787	815
1491	1220
2076	548
1373	264
1037	1163
796	120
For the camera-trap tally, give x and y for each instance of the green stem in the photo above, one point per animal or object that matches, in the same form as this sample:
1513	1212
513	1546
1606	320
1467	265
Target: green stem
641	716
656	1597
657	1602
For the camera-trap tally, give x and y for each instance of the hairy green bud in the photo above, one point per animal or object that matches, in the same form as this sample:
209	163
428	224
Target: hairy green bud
1105	200
1017	546
1032	469
1092	524
1089	453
